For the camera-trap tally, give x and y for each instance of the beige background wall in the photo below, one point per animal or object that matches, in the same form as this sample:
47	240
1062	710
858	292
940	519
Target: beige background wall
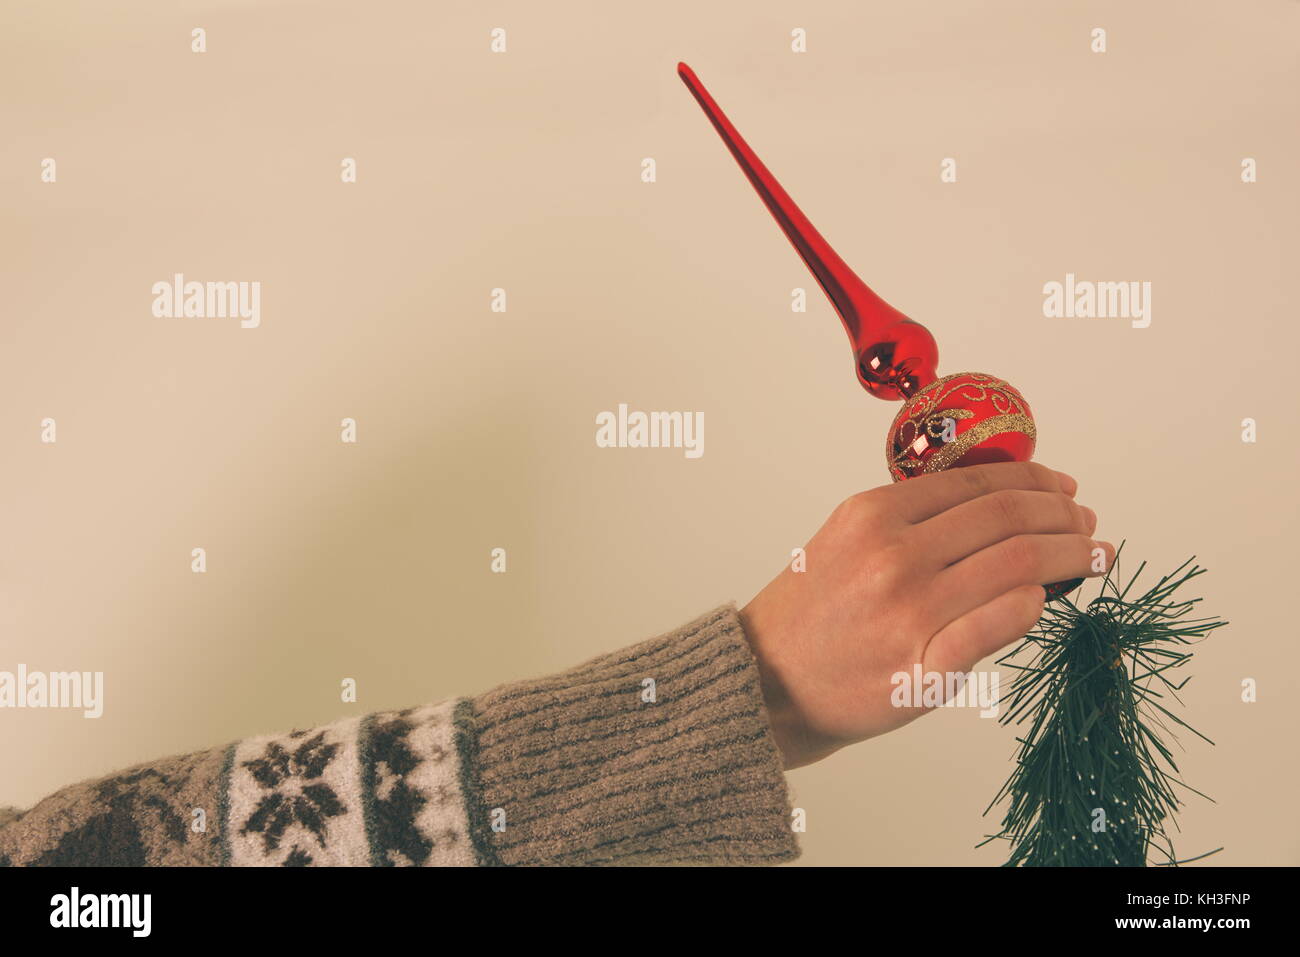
521	170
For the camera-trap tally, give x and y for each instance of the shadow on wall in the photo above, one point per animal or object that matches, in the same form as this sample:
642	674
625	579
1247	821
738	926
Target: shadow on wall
384	577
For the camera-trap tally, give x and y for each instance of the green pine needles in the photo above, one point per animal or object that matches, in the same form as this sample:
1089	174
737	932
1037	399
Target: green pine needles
1095	783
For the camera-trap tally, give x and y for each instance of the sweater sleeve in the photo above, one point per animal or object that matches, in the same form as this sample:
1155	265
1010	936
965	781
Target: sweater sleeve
659	753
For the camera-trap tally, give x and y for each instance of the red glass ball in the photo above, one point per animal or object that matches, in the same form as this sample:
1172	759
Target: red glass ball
965	419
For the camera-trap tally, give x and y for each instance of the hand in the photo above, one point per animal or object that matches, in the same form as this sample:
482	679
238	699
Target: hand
941	570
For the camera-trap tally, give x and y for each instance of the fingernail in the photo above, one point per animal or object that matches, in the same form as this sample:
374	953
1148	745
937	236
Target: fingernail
1101	562
1068	485
1089	519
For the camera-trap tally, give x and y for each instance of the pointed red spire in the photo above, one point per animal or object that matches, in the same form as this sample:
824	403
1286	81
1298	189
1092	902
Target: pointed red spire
895	356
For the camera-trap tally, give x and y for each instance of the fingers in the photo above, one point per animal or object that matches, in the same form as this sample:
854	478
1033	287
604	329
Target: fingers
926	496
1013	563
987	520
984	630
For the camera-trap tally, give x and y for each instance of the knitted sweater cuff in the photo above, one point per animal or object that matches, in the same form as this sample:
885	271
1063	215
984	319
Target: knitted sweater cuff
658	753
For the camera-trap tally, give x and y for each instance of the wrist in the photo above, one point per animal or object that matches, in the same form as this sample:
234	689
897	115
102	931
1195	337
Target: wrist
799	744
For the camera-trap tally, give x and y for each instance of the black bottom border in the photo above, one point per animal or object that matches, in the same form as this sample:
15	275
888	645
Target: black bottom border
701	905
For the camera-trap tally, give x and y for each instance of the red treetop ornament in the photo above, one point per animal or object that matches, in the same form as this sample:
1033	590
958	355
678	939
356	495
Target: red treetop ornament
964	419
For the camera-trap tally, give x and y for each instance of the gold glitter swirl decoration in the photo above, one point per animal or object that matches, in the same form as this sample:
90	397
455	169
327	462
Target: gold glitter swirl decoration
955	415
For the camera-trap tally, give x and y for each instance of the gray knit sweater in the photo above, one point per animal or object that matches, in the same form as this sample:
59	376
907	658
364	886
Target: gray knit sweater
659	753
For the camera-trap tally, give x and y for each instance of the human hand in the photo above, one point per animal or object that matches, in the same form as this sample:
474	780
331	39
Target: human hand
940	570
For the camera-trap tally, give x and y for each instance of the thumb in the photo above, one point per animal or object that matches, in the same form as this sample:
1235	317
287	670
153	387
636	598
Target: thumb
962	643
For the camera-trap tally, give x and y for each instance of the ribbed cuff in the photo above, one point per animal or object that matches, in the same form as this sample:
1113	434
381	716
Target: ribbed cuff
657	754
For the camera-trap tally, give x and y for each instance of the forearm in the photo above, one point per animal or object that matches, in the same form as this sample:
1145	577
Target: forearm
595	765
